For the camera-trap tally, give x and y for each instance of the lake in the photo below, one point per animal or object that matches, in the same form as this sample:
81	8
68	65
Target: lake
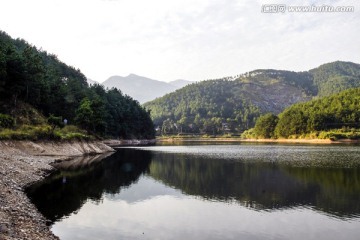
206	191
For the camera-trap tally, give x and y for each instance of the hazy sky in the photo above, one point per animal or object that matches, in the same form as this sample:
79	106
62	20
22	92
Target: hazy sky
183	39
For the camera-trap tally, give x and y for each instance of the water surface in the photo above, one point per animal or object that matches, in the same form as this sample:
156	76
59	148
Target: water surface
207	191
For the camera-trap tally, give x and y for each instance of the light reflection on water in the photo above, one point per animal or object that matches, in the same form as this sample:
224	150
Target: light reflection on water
169	216
208	192
307	154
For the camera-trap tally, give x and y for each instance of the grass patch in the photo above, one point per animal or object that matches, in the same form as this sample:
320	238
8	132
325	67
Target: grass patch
338	135
43	132
71	132
26	123
26	132
334	134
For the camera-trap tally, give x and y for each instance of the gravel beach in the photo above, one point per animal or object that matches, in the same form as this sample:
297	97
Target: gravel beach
21	164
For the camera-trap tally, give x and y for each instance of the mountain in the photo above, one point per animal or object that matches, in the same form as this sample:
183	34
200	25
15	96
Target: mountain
180	83
141	88
234	104
91	82
334	77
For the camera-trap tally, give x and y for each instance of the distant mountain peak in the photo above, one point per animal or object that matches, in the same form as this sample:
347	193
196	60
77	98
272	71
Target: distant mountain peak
180	83
133	75
91	82
142	88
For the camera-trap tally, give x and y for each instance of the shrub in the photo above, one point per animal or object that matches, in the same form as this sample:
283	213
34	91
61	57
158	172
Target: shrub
249	134
55	121
6	121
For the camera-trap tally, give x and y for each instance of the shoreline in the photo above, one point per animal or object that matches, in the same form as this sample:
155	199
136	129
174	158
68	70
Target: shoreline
131	142
23	163
307	141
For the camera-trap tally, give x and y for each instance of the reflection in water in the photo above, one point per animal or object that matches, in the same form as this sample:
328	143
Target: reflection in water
262	185
207	192
66	190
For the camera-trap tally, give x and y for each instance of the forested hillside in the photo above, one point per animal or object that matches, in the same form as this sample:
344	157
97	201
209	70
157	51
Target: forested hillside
335	77
341	110
204	107
339	113
231	105
32	76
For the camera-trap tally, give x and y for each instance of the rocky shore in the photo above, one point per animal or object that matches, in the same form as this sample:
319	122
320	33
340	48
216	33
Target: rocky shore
21	164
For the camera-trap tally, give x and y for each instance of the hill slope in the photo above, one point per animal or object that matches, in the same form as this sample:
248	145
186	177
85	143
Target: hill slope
334	77
35	77
224	105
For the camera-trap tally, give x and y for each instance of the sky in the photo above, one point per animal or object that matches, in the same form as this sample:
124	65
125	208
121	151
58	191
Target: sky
184	39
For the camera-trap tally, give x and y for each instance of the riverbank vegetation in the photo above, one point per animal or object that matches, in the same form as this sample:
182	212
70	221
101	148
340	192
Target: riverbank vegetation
29	124
38	80
333	117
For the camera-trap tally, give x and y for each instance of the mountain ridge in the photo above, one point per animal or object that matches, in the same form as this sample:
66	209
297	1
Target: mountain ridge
239	101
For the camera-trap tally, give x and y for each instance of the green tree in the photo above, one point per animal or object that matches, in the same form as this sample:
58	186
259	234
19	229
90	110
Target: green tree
84	114
182	123
2	71
99	114
265	125
167	126
291	122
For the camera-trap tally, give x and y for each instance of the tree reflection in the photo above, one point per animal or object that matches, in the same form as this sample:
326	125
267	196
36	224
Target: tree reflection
66	190
332	188
262	184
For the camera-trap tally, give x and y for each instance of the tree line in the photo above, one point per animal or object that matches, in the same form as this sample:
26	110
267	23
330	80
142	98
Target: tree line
337	111
33	76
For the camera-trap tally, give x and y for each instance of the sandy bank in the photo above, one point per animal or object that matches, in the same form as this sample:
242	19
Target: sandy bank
307	141
23	163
